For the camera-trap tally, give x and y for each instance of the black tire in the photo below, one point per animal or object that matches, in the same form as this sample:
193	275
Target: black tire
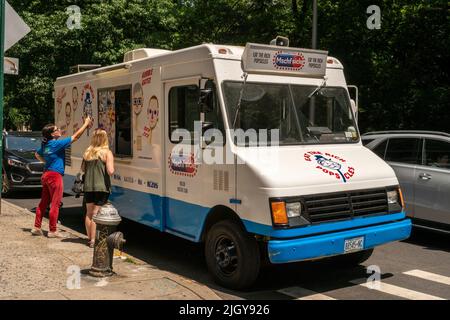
232	255
353	259
6	185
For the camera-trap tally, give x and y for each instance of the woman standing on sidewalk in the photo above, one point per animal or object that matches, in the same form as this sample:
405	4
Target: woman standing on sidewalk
98	166
52	153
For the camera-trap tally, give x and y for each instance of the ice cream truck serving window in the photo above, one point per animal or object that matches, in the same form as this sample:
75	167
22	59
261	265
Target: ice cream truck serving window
114	116
302	114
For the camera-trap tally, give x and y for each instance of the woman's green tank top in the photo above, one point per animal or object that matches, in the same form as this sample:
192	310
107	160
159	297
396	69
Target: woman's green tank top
96	178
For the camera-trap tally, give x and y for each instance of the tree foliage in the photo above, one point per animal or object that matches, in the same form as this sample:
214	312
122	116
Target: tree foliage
400	69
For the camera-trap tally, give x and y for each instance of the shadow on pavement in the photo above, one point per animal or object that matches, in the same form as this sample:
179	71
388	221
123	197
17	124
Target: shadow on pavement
185	258
28	194
73	218
75	240
430	240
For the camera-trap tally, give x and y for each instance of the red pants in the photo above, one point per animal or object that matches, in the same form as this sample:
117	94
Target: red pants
52	192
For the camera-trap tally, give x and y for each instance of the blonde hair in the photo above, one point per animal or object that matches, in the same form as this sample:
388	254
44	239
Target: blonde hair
98	147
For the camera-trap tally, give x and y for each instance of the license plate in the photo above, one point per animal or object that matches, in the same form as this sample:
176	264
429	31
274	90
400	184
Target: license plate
354	244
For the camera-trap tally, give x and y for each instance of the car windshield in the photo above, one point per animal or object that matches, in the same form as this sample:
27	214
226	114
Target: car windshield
302	114
23	143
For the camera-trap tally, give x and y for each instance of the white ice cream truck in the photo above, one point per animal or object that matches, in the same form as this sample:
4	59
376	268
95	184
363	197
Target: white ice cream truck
182	126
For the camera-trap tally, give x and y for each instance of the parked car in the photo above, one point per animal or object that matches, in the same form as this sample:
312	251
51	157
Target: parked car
21	170
421	162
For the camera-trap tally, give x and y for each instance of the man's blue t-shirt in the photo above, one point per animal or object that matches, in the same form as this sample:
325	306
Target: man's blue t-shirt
54	154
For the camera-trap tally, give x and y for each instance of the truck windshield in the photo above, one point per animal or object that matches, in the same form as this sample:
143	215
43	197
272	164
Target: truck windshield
302	114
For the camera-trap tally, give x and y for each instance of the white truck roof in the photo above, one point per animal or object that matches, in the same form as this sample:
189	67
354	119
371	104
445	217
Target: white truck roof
134	58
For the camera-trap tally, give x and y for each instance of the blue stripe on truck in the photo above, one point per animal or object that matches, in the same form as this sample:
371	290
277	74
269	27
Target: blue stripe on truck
187	219
181	218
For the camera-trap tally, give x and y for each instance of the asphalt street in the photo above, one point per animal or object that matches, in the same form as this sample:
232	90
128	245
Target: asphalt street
417	268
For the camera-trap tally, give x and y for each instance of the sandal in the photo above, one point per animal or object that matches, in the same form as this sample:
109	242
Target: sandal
91	243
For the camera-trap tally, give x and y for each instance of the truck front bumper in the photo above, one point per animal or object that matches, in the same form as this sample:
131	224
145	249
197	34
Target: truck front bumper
283	251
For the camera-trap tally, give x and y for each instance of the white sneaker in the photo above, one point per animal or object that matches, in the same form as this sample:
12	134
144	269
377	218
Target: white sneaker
36	232
55	234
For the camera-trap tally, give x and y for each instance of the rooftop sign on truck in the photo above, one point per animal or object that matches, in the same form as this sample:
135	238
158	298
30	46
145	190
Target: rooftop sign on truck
259	58
310	191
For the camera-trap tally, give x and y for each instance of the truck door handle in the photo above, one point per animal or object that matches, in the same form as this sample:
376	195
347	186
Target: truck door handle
425	176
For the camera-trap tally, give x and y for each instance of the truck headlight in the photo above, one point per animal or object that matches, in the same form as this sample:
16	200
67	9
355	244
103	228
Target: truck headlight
392	197
395	200
293	209
16	163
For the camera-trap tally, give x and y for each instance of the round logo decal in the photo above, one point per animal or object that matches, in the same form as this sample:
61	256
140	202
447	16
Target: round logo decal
183	165
331	165
288	61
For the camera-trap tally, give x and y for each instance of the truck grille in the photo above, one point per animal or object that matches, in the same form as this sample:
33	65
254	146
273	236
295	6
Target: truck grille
345	205
37	167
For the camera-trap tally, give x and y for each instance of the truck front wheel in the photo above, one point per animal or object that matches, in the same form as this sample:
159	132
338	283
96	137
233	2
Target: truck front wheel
232	255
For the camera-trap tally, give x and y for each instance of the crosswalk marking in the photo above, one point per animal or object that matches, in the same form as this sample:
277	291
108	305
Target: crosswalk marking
396	291
428	276
304	294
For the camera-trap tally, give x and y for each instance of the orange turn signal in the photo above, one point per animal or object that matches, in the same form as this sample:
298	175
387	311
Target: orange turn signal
400	194
279	212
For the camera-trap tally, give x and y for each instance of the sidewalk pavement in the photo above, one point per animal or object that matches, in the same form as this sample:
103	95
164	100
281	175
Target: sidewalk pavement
36	267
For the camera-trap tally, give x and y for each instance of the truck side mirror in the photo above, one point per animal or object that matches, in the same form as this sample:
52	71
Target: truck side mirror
354	108
354	97
206	100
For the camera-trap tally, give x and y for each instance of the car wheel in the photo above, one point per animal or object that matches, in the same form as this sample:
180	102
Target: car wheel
232	255
6	185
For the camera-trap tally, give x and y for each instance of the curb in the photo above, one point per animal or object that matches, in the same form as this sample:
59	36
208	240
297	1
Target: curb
199	289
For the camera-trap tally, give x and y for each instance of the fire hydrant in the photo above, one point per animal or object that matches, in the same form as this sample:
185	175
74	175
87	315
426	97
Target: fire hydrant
106	240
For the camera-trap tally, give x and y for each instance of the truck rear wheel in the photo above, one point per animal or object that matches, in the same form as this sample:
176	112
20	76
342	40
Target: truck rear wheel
232	255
